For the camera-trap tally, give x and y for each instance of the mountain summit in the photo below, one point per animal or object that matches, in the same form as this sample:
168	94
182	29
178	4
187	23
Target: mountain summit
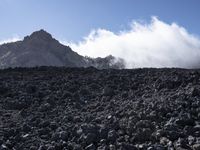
41	49
40	35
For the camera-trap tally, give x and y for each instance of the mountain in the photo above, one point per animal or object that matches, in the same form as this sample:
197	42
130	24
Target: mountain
41	49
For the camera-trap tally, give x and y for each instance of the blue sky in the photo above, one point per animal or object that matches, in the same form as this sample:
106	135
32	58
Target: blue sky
73	19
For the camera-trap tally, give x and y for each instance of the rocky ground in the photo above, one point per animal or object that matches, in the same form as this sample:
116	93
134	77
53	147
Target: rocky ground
75	108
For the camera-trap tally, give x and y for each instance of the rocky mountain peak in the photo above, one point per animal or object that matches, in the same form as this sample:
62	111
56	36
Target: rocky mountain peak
40	35
41	49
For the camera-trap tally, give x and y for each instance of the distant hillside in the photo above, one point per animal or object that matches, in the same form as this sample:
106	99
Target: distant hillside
41	49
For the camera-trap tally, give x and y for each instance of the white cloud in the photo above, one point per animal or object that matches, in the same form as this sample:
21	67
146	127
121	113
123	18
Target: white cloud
156	44
10	40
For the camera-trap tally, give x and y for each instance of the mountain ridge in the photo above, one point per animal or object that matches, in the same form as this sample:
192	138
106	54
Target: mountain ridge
41	49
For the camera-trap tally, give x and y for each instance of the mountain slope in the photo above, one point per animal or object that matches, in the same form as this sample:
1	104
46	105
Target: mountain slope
41	49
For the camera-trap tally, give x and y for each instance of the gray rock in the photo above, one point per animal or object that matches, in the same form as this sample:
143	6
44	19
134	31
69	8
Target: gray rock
196	146
90	138
90	147
112	136
107	91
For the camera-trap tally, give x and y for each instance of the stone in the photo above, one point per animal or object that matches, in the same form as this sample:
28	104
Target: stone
90	147
90	138
107	91
45	107
26	128
196	146
53	125
112	147
191	140
64	135
33	148
112	136
103	132
103	147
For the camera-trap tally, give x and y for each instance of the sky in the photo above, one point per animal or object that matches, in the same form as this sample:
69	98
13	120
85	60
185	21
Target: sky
73	19
156	33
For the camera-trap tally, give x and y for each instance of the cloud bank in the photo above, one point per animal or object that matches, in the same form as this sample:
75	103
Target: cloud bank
10	40
156	44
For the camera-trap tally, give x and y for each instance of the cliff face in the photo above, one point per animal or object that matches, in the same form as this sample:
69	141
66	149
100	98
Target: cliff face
41	49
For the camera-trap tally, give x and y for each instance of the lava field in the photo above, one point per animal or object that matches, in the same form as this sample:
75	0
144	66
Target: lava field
49	108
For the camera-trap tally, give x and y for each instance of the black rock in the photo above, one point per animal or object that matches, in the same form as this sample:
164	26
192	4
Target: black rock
33	148
112	136
103	132
3	90
103	147
90	138
26	128
196	147
69	109
90	147
45	107
53	125
107	91
64	135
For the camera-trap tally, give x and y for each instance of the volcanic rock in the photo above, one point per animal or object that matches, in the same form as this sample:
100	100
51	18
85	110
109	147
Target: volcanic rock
85	108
